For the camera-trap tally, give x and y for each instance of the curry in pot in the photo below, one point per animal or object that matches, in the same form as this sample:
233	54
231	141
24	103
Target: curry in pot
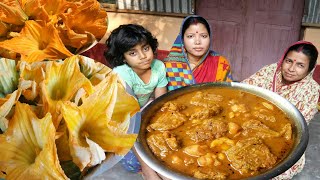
220	134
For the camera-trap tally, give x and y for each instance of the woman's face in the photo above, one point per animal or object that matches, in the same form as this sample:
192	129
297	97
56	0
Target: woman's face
294	67
196	41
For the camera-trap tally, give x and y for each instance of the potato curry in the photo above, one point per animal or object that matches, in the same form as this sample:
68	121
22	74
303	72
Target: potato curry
220	134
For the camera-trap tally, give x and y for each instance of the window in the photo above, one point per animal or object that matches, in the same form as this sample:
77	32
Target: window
311	16
162	7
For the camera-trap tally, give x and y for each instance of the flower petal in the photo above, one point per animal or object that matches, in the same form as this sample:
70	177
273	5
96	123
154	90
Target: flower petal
47	10
30	77
37	42
126	106
94	71
28	148
63	143
101	98
11	12
79	148
6	105
84	19
90	120
8	76
63	80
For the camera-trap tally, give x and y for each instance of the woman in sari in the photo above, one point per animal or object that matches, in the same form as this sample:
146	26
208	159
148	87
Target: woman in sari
292	78
191	59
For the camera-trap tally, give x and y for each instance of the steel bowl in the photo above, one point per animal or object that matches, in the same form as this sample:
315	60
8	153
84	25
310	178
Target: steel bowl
300	128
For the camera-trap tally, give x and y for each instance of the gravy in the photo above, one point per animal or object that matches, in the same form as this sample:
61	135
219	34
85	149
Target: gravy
220	134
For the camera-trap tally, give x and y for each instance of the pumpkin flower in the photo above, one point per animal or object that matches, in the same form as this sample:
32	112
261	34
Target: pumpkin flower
30	77
62	143
94	71
8	76
62	80
28	147
83	24
12	13
88	124
46	10
6	105
37	42
126	106
9	92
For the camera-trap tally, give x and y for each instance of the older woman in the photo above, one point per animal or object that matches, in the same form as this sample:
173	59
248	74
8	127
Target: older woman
292	78
191	59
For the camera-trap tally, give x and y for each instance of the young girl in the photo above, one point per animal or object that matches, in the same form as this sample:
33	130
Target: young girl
130	50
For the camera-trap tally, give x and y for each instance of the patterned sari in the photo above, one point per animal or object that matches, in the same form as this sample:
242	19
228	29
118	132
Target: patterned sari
303	94
211	68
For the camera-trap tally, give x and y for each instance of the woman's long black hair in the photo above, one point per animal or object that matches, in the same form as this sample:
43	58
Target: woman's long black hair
195	20
125	37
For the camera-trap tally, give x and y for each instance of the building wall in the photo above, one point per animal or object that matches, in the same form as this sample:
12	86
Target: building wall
312	34
164	28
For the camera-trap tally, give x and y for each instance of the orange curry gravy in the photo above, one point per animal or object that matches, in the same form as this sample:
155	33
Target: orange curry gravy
220	133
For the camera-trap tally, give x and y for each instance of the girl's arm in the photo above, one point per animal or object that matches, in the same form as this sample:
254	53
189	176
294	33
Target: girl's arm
160	91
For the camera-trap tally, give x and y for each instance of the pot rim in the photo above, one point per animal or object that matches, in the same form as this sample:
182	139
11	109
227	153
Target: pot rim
300	126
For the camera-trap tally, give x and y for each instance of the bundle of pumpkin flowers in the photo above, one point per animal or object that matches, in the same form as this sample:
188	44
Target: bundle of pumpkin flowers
57	107
34	30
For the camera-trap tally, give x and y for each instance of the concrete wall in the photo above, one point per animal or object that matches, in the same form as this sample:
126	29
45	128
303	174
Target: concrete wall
164	28
312	34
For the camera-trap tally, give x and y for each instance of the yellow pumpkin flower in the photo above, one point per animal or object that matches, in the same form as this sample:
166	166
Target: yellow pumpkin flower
30	77
6	105
63	143
11	12
62	80
126	106
94	71
37	42
8	76
90	122
28	147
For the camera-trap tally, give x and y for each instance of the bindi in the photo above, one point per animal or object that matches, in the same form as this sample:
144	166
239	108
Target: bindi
294	60
197	32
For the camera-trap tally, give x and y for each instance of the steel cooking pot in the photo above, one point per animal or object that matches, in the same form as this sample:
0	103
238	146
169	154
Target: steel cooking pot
299	129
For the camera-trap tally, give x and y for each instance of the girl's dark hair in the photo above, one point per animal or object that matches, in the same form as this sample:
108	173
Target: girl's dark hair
123	38
309	50
195	20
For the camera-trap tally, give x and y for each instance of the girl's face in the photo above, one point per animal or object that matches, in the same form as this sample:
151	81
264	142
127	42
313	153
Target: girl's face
196	40
294	67
139	57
